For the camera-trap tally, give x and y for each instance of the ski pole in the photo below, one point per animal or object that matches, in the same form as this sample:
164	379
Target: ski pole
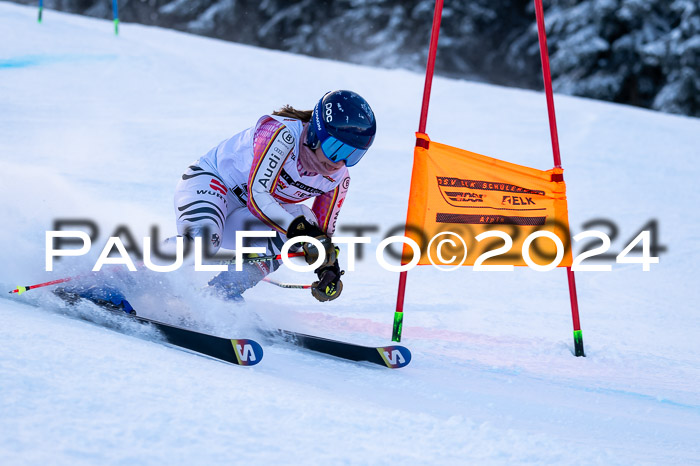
21	289
286	285
262	258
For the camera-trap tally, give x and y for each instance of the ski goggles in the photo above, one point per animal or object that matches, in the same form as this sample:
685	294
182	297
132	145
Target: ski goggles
334	149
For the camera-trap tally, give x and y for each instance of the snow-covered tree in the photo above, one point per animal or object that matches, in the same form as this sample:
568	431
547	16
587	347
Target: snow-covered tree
639	52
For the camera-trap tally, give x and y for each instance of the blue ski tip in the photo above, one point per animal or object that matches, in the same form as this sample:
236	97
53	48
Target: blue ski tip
395	357
248	352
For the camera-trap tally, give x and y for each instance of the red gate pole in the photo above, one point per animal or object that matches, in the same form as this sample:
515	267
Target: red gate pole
547	76
435	33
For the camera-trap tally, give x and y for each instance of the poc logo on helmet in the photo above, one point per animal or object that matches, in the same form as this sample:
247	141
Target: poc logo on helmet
329	110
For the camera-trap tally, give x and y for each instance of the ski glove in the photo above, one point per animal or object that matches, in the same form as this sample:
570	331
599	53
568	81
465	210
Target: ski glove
328	286
301	227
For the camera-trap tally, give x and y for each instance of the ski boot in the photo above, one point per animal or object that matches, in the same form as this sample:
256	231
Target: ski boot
104	296
230	285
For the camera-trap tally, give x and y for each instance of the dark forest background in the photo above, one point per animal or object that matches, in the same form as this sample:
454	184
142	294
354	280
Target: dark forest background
639	52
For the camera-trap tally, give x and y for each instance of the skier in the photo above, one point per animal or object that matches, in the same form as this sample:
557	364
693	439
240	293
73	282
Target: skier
257	179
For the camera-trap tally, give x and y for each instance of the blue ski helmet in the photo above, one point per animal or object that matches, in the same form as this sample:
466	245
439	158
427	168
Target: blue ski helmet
343	125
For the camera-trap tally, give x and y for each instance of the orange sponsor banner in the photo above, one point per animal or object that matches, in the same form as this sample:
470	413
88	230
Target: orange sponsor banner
459	194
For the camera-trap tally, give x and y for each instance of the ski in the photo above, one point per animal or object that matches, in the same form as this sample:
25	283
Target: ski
246	352
393	357
243	352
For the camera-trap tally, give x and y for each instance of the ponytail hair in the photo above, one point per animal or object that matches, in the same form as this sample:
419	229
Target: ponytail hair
288	111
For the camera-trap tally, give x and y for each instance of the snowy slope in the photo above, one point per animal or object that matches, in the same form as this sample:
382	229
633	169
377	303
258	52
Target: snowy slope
95	126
